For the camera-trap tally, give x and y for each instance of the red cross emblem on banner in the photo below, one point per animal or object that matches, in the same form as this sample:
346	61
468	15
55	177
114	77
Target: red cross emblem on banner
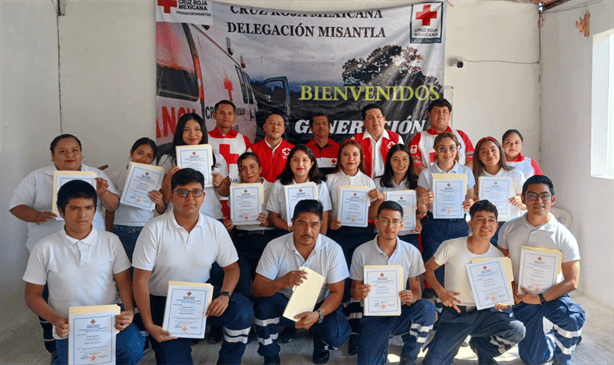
426	15
333	160
167	4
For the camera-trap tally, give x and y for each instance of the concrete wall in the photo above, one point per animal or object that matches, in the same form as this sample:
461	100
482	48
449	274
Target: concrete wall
566	70
107	77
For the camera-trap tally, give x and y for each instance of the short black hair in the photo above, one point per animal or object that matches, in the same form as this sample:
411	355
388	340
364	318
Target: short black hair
483	206
227	102
276	112
390	205
144	140
511	131
308	206
61	137
318	115
538	179
245	155
186	176
75	189
440	103
368	107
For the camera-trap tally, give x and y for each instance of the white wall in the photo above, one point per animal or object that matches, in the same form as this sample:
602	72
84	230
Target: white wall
566	140
107	74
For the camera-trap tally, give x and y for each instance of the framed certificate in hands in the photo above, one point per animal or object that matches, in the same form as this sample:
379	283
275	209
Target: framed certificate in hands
141	179
92	335
497	190
450	191
246	203
407	200
186	305
199	158
295	193
491	281
539	269
386	282
354	205
62	177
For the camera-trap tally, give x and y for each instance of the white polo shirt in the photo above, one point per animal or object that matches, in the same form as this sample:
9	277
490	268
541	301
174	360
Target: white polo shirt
379	161
211	206
403	186
77	272
426	177
277	200
36	191
519	232
127	215
280	257
340	178
518	180
171	253
455	255
267	187
404	255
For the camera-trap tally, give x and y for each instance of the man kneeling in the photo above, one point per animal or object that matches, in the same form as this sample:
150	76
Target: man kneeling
278	270
82	266
493	331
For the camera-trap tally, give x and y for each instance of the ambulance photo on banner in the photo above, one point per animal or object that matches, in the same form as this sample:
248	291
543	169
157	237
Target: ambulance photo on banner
299	62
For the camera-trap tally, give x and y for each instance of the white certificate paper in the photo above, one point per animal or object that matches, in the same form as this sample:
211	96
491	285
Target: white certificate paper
449	197
199	158
186	305
92	336
354	206
141	179
246	203
539	269
407	200
497	190
295	193
305	296
62	177
491	282
386	282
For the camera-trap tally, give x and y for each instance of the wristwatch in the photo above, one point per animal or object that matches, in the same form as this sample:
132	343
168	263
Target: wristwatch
321	316
225	293
542	300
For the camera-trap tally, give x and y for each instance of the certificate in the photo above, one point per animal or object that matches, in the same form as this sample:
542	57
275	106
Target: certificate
450	191
62	177
199	158
407	200
305	296
295	193
491	281
354	205
91	339
386	282
186	305
141	179
246	203
539	268
497	190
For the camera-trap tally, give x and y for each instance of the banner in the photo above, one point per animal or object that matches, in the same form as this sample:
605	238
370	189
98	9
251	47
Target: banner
300	62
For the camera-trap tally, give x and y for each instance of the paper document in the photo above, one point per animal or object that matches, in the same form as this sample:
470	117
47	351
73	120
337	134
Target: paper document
539	268
62	177
92	335
186	305
304	297
386	282
491	281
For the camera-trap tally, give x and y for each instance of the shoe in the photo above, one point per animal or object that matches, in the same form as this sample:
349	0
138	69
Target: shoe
353	345
407	360
215	335
272	360
287	335
320	354
481	359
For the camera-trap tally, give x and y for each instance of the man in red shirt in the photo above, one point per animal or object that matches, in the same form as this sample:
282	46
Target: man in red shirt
376	140
273	150
228	142
325	149
421	146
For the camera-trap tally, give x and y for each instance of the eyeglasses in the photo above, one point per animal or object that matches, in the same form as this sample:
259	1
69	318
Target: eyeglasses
543	196
446	149
387	222
196	193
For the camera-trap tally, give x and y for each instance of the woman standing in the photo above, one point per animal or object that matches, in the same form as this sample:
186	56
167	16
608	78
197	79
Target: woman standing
512	146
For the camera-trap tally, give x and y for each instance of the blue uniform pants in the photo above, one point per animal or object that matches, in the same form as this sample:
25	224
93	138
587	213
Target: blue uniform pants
492	333
250	246
568	318
129	345
333	331
236	320
435	231
413	324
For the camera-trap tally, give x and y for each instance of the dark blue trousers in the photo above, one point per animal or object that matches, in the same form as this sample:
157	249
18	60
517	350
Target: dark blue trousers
333	331
236	320
435	231
537	347
413	324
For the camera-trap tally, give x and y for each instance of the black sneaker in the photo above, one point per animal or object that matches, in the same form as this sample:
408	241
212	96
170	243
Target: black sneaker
353	345
481	359
272	360
320	354
287	335
215	335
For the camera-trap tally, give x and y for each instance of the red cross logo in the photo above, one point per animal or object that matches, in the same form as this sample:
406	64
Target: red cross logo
189	293
147	174
354	194
246	217
138	200
449	211
485	267
245	191
390	144
228	86
93	358
353	219
382	274
539	259
333	160
194	153
93	321
231	158
426	15
495	183
167	4
285	151
401	198
536	289
448	184
383	306
493	298
184	329
300	190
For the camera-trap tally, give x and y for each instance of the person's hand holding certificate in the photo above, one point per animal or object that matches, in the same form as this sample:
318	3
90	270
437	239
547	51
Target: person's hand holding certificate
539	268
497	190
141	179
199	158
354	205
491	282
186	305
92	337
385	281
246	203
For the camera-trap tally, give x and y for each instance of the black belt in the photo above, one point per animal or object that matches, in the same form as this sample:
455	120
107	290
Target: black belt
241	233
